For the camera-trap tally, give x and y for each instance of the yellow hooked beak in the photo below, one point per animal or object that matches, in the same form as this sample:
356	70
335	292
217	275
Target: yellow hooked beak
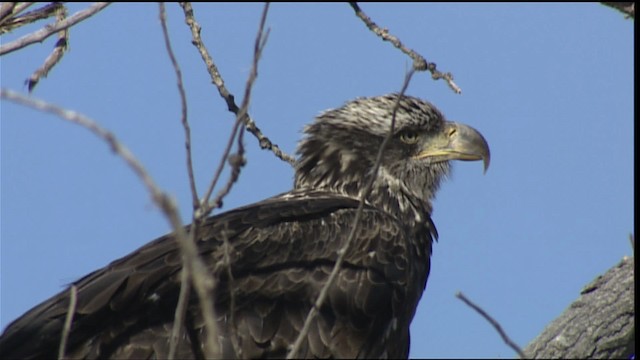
457	142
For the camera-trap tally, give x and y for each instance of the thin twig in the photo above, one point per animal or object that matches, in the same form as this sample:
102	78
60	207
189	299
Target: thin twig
6	10
207	206
226	263
293	353
183	106
116	146
419	62
241	116
216	78
493	322
181	309
92	126
202	280
204	284
11	19
20	7
73	298
185	277
56	55
237	161
45	32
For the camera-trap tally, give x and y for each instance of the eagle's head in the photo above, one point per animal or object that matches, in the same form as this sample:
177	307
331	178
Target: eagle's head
341	146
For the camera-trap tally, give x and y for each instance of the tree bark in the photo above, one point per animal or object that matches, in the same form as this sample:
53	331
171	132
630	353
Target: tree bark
600	324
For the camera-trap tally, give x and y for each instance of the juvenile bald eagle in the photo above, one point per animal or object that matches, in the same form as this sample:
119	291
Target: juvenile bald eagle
282	250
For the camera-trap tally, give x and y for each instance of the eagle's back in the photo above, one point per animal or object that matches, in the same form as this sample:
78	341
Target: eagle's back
282	251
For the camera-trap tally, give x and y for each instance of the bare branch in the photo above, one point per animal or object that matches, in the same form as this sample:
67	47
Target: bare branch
202	280
493	322
202	208
206	207
185	277
73	298
204	285
216	78
45	32
92	126
419	62
293	353
183	106
226	263
22	7
58	51
237	161
181	309
11	19
157	195
6	10
241	118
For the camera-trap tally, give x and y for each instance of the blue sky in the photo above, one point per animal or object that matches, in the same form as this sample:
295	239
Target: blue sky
549	85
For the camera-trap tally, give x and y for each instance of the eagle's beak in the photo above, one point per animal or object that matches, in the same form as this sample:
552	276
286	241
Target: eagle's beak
457	142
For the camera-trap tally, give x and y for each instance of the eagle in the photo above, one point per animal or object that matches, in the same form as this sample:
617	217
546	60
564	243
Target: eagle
281	251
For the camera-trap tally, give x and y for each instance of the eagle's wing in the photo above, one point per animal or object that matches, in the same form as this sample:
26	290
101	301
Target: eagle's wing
282	251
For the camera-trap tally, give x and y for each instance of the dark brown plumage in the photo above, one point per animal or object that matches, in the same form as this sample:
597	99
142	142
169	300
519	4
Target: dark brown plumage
282	251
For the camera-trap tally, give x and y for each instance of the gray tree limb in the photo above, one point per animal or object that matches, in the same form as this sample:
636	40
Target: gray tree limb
600	324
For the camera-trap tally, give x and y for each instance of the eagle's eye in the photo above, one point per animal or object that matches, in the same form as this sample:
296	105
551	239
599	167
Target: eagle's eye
409	137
